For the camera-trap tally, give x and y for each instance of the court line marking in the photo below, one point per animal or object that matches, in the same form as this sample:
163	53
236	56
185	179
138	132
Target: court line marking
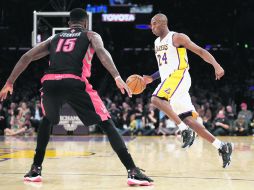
152	176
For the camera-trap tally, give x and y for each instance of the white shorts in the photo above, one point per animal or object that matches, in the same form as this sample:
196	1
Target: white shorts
181	100
175	89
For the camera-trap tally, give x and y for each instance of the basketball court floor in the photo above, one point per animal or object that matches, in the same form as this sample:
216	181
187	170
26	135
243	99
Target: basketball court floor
89	163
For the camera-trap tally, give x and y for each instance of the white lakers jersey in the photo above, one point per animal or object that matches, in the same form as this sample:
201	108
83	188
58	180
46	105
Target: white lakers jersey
169	58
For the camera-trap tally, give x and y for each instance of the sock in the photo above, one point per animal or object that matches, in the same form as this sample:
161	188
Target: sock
182	126
217	143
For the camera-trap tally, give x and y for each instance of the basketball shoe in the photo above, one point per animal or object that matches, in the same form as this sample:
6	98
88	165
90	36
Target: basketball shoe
188	136
136	177
34	175
225	152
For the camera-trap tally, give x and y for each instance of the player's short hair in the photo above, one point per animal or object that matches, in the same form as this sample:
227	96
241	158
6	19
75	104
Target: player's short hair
78	15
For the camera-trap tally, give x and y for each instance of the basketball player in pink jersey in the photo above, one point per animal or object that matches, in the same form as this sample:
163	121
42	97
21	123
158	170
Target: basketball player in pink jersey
66	81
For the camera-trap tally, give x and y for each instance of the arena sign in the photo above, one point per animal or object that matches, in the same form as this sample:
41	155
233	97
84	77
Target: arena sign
69	123
118	17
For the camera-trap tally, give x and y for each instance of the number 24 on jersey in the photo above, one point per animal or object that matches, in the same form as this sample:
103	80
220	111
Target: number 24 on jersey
162	59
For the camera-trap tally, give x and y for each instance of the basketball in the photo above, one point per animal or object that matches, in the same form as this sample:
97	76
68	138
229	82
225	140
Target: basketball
136	84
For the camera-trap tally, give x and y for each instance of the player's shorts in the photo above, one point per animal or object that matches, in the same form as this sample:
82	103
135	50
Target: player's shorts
175	89
79	94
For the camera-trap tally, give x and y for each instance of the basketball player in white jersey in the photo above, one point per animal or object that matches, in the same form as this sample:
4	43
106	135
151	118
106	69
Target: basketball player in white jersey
172	94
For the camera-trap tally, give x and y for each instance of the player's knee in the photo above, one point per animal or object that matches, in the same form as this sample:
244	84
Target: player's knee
107	125
188	121
155	100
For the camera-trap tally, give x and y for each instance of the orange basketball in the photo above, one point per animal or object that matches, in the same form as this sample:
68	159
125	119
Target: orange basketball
136	84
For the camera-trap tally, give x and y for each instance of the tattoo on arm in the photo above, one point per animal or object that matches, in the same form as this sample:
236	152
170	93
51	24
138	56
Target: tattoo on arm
102	53
33	54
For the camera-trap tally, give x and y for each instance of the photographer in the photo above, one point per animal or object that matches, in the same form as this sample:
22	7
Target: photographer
221	125
240	127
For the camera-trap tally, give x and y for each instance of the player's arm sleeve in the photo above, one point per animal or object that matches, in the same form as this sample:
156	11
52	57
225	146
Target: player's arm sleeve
103	55
156	75
33	54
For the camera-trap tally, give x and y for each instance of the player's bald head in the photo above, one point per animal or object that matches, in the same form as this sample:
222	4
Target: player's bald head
159	25
160	18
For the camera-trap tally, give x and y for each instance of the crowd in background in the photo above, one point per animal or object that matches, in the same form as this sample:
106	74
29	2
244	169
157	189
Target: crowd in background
137	116
140	117
222	105
225	107
21	118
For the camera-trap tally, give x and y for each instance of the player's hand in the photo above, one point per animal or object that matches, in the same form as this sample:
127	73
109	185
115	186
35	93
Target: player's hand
8	88
148	79
219	72
123	86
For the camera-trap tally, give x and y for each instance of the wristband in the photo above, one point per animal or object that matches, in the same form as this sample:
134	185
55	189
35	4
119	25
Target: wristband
155	75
